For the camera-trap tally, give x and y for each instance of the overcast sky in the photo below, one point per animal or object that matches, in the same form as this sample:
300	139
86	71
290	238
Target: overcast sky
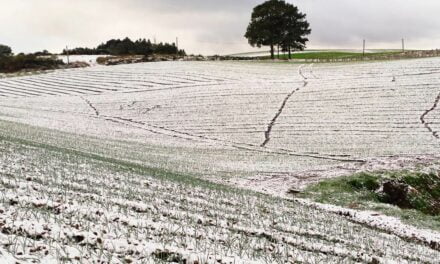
212	26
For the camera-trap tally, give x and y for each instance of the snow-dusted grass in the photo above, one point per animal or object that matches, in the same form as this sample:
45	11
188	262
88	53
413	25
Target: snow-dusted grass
132	161
60	206
362	192
217	114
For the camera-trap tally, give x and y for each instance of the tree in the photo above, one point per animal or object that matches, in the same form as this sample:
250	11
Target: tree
5	50
295	30
265	28
276	22
126	46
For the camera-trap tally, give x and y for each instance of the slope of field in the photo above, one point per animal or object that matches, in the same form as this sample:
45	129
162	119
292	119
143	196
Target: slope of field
243	123
62	206
89	160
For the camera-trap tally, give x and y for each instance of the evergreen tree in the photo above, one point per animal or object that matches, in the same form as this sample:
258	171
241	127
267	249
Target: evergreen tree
128	47
265	28
5	50
277	23
295	30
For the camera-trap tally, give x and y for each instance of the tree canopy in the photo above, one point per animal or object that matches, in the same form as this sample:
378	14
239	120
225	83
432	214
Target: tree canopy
128	47
5	50
277	23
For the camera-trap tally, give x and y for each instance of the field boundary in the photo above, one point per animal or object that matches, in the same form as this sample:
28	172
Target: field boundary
382	57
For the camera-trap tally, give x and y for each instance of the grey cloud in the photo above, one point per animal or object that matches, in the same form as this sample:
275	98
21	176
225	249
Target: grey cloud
211	26
343	22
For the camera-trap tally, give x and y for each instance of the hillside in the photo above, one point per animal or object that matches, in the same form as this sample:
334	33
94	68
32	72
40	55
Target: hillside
199	161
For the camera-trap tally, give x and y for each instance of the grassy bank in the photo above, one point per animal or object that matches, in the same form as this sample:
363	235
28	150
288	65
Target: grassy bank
332	55
365	191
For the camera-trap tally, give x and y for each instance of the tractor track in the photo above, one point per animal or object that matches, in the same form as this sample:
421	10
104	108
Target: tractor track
426	113
274	119
90	105
235	145
280	110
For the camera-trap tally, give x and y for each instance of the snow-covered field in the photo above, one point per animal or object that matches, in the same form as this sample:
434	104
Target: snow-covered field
263	126
90	59
61	206
236	121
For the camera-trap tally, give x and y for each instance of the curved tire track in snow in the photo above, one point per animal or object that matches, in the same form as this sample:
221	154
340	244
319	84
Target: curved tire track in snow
91	105
237	145
427	112
311	71
301	73
274	119
280	110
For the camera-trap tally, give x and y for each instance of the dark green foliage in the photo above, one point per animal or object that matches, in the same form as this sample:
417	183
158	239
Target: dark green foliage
364	181
265	28
345	190
126	46
5	50
294	30
29	62
427	182
277	23
165	48
409	190
331	55
84	51
424	194
42	53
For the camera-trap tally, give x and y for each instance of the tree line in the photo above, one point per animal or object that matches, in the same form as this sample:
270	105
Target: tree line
35	61
276	23
126	46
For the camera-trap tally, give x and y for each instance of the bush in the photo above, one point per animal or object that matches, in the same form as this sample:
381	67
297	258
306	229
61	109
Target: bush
365	181
5	50
19	62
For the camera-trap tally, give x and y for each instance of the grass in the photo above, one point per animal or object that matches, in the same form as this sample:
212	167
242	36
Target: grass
362	191
104	207
133	167
122	149
324	55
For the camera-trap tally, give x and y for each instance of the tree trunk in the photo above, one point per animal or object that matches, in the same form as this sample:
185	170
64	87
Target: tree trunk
290	54
278	51
272	52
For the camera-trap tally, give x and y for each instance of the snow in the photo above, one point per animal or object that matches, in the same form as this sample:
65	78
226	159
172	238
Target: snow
90	59
209	119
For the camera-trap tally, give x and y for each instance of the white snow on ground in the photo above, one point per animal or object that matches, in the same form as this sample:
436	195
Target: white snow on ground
262	126
90	59
280	184
61	206
211	118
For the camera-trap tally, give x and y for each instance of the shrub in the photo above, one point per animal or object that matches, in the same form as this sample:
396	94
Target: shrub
365	181
5	50
27	62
